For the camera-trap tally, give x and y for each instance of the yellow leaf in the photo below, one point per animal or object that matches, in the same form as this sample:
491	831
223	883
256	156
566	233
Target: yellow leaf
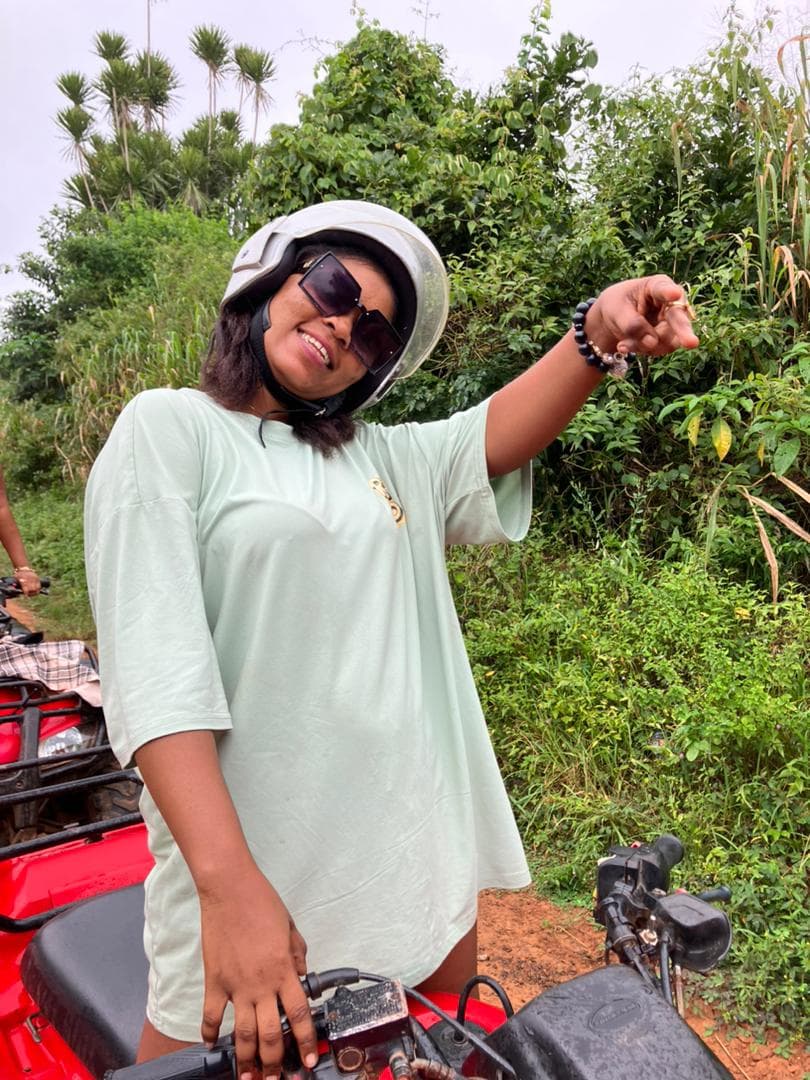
761	453
693	427
721	438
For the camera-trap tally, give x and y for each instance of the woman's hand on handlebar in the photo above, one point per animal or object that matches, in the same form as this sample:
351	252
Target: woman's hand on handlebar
28	580
252	952
253	956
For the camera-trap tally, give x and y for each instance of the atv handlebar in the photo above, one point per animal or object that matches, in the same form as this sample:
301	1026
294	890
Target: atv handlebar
646	924
10	587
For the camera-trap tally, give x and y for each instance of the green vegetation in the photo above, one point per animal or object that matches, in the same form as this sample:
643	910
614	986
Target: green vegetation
643	659
51	522
628	698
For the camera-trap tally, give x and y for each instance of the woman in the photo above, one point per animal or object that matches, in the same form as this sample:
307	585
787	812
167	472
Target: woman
298	699
12	541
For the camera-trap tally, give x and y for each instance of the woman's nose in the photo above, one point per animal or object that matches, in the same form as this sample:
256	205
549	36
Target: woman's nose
342	325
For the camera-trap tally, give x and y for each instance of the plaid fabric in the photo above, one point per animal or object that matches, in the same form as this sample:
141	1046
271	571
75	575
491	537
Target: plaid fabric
57	664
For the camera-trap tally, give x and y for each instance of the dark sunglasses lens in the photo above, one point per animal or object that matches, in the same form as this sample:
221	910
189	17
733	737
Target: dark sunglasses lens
330	286
374	341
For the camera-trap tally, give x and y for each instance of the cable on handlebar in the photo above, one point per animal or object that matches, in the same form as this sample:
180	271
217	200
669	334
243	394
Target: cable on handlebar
495	987
469	1035
663	969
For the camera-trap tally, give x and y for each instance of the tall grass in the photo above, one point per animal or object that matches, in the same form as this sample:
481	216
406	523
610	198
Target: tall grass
781	268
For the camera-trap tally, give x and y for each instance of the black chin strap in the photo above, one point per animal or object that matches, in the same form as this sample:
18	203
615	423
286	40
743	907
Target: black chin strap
323	407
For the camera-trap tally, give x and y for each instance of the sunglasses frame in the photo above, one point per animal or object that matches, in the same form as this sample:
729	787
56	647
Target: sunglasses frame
367	319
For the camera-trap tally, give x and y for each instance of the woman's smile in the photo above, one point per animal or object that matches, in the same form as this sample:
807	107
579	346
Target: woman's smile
320	349
310	353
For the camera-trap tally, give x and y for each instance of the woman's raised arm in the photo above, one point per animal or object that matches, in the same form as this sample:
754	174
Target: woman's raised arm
646	315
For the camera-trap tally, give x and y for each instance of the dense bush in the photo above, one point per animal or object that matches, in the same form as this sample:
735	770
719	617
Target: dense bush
627	698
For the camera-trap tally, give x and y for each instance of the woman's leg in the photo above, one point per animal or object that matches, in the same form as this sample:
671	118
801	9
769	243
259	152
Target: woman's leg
154	1045
460	964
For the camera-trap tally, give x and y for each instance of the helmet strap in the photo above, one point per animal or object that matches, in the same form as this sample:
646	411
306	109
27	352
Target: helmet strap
322	407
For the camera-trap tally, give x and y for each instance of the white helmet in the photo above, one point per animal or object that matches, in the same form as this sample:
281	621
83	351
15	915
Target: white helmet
398	246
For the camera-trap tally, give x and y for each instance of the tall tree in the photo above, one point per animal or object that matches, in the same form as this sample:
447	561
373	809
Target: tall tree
211	44
120	85
254	68
158	83
76	124
76	87
110	45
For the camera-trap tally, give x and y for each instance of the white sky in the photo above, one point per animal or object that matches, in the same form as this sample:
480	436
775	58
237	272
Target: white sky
44	38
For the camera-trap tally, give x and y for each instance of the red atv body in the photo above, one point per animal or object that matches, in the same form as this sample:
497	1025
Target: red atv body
52	873
53	878
50	741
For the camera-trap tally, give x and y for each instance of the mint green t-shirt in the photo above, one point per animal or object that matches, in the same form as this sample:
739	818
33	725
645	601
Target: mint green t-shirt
299	607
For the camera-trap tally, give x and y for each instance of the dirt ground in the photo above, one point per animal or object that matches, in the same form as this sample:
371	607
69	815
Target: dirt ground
529	944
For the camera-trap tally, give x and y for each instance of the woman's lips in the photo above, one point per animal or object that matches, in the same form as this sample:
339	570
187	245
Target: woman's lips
318	349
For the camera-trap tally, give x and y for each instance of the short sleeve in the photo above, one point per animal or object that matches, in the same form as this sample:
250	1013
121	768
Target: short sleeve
159	670
448	457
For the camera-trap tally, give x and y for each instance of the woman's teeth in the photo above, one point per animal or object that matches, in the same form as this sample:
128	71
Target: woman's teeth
317	345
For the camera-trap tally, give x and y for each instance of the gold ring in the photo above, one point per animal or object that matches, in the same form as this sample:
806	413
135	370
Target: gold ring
687	307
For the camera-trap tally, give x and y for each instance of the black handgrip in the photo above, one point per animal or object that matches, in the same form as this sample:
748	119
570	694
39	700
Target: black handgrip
316	983
670	849
192	1063
719	894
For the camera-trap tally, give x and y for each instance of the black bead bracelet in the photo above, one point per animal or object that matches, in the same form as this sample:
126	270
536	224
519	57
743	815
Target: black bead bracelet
615	364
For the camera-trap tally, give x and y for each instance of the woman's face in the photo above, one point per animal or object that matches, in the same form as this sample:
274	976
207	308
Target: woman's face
308	352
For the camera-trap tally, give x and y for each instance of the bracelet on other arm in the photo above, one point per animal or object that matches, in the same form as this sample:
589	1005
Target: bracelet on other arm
615	364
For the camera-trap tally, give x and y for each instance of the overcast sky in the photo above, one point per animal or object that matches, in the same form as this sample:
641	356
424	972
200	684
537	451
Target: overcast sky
44	38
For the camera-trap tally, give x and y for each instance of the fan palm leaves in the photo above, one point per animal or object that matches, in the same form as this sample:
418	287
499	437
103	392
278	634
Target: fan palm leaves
254	68
211	44
76	124
152	154
110	46
158	83
76	87
120	85
191	167
132	156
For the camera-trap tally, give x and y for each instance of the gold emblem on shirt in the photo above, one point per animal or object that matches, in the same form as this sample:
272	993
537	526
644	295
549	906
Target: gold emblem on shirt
376	484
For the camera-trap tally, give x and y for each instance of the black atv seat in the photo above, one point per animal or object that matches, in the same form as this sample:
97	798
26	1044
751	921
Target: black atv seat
87	972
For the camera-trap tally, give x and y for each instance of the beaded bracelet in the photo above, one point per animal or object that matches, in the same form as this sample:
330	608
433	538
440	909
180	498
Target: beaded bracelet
615	364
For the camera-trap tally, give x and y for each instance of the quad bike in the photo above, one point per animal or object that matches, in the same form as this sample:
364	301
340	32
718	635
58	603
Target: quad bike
53	746
73	985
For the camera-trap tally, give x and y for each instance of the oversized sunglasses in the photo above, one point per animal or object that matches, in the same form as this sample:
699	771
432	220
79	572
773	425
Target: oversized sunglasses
333	291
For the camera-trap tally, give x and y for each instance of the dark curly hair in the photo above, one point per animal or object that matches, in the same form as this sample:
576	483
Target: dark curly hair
229	372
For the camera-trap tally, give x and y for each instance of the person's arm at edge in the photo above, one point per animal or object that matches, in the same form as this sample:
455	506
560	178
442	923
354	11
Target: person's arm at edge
12	541
244	923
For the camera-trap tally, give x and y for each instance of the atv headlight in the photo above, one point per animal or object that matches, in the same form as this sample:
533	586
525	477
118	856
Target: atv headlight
67	741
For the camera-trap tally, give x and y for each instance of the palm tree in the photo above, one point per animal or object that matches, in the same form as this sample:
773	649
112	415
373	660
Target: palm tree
158	82
120	85
76	87
110	46
191	168
210	44
152	156
254	68
240	63
76	123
